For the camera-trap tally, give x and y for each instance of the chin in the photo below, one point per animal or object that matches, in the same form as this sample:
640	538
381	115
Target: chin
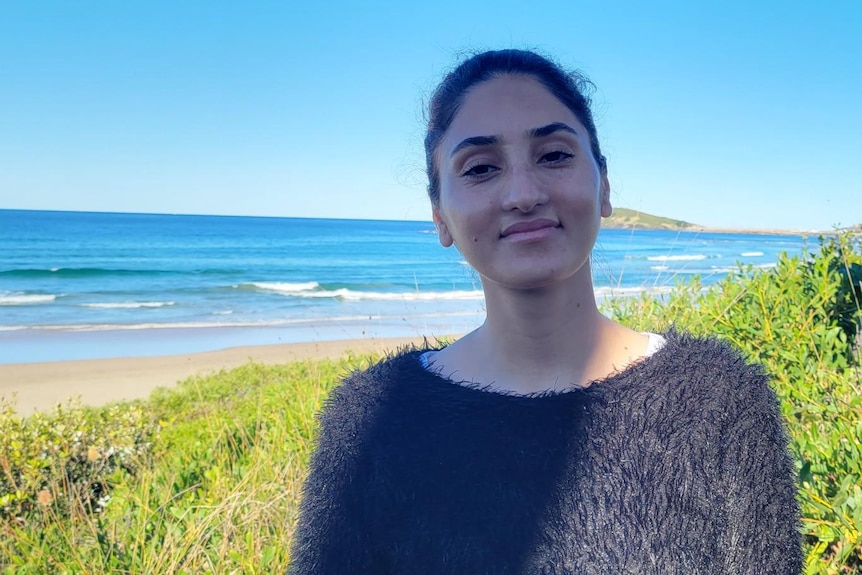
546	274
537	280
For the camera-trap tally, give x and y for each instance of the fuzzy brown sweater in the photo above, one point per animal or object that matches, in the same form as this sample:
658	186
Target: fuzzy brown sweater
678	465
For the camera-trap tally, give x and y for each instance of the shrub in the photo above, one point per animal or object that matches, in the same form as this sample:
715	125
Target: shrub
68	458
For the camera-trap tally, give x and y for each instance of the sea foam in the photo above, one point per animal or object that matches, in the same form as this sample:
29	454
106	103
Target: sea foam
677	258
313	290
285	287
129	304
25	299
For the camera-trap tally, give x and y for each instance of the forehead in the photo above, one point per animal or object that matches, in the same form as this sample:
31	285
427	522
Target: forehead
507	106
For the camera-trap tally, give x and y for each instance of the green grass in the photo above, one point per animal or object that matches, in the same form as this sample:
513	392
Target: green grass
205	477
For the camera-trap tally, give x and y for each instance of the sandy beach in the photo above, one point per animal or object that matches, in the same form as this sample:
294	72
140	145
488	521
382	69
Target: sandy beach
39	386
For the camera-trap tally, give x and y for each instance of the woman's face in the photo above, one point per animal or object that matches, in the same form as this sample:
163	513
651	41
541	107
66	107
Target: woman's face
521	195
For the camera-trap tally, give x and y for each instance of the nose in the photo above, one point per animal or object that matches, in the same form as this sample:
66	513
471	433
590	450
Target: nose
523	192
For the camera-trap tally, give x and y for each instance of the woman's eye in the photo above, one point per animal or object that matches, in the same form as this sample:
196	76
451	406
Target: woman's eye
556	157
479	170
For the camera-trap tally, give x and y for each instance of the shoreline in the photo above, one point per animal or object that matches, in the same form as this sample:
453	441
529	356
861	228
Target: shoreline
41	386
764	232
37	345
740	231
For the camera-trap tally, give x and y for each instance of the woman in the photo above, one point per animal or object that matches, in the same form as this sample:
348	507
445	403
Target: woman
550	439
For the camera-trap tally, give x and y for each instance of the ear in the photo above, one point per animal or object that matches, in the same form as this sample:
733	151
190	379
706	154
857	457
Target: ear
443	234
607	209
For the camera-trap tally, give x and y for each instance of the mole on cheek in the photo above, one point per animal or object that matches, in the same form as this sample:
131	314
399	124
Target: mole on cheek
475	239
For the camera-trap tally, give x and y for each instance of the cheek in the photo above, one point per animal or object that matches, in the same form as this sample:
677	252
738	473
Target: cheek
587	199
468	221
469	214
469	230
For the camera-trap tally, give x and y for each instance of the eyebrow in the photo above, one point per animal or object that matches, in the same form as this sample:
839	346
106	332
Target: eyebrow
474	141
540	132
550	129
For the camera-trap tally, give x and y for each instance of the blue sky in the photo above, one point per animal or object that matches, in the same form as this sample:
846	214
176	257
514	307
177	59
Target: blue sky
732	114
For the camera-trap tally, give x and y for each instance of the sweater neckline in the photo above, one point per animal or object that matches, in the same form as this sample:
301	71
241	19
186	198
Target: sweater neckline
600	385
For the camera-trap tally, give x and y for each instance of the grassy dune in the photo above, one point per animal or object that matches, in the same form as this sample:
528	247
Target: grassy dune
205	478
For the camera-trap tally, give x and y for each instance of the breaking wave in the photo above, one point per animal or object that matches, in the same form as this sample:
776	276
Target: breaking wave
128	304
315	290
678	258
25	299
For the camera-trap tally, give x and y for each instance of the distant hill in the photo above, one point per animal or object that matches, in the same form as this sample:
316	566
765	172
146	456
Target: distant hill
624	218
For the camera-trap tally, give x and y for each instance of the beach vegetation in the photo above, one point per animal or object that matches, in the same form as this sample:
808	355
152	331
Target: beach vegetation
206	477
69	457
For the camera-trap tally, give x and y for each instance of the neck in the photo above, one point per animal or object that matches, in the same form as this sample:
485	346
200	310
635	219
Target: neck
549	321
550	337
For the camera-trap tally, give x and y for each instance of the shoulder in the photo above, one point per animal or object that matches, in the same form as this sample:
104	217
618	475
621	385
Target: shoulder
708	377
725	387
362	392
706	352
398	366
708	361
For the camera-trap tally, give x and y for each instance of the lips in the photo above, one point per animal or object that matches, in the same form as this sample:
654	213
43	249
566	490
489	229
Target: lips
527	227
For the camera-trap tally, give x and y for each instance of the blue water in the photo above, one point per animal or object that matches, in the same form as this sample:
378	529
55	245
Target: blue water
78	285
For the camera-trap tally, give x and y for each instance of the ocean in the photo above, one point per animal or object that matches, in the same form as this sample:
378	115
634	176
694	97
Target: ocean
79	285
